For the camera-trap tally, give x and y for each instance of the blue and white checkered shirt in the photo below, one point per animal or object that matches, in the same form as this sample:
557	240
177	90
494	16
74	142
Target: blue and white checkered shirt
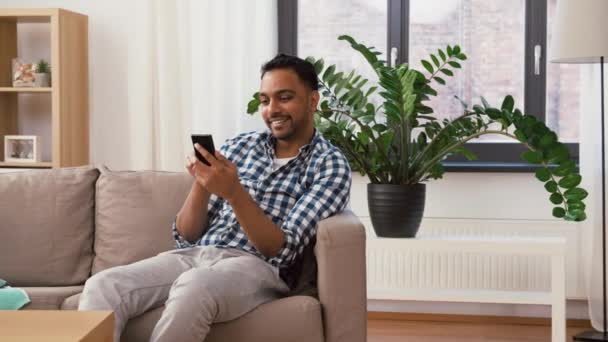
312	186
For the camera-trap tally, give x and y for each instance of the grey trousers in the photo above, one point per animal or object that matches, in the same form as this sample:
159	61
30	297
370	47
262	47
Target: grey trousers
199	286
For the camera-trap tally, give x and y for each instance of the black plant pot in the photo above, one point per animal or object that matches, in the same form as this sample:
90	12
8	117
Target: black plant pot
396	210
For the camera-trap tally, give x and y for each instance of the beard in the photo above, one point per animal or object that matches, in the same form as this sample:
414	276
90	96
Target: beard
282	130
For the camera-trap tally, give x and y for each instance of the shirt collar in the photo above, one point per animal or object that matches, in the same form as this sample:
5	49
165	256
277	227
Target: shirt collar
270	140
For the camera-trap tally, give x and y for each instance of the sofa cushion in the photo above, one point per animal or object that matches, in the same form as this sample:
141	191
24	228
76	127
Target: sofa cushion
50	298
294	319
47	226
133	214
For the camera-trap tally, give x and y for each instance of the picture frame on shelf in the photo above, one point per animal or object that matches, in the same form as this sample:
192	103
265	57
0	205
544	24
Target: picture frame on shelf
22	148
23	74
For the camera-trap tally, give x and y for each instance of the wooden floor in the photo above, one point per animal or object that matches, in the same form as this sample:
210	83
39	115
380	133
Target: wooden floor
428	331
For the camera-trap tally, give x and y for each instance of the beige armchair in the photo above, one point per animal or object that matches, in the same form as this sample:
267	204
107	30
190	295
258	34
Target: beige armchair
338	315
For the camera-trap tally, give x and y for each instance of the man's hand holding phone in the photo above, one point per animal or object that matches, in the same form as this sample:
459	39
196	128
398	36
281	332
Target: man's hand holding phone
219	177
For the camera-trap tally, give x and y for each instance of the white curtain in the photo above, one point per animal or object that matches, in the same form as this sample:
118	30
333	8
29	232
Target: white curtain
590	167
193	65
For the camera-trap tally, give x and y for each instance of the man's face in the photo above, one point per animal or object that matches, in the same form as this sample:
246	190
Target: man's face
287	104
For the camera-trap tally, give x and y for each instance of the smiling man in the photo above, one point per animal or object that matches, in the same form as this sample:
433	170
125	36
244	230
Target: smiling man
243	228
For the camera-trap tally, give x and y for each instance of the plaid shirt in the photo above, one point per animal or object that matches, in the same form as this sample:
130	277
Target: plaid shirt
312	186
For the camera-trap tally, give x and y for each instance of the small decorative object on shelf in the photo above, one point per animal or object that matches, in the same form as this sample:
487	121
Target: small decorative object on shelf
42	74
22	148
23	74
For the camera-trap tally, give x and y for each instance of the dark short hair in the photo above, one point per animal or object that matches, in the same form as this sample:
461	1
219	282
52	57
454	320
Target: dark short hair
304	69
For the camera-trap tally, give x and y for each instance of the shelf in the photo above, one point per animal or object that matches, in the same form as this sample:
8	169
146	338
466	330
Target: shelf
41	165
62	38
25	90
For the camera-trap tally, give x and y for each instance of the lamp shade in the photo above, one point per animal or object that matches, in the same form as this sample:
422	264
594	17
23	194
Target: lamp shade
580	31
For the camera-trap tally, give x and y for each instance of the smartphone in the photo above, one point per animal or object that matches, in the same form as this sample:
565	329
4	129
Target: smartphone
206	141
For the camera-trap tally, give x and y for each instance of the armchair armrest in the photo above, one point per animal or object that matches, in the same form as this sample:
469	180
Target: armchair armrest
340	253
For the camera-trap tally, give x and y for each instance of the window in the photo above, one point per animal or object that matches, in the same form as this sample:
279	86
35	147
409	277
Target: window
363	19
501	39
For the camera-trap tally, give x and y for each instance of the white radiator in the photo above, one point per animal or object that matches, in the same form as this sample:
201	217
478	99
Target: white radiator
390	270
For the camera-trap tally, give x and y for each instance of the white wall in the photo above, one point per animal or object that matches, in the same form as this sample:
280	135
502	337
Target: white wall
460	195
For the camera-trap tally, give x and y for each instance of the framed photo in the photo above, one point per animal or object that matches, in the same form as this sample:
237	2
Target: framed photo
23	73
22	148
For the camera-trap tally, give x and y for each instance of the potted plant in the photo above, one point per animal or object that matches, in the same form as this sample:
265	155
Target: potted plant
400	144
42	73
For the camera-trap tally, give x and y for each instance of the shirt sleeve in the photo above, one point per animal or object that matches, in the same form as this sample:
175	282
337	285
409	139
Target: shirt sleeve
328	195
213	208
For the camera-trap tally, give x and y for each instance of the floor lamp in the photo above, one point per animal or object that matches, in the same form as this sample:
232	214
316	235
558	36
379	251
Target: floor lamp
580	35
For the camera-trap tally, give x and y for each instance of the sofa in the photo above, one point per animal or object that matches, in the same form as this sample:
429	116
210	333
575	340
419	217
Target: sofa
60	226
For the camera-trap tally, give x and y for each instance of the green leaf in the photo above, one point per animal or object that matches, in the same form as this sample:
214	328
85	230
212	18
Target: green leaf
576	204
319	66
493	113
429	91
326	113
254	104
422	109
331	80
508	103
427	66
447	72
570	181
441	54
379	128
559	212
450	51
556	198
551	186
576	194
520	136
543	174
532	157
456	49
370	91
565	168
461	56
576	215
455	64
439	80
558	154
362	83
468	154
363	137
329	72
435	60
324	105
548	139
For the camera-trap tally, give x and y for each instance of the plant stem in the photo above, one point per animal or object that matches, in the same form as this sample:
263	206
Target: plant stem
435	139
449	149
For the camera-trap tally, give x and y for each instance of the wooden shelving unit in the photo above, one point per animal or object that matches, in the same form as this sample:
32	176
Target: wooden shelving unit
69	91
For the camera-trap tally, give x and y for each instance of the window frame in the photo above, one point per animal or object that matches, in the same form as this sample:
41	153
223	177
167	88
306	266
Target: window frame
492	157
